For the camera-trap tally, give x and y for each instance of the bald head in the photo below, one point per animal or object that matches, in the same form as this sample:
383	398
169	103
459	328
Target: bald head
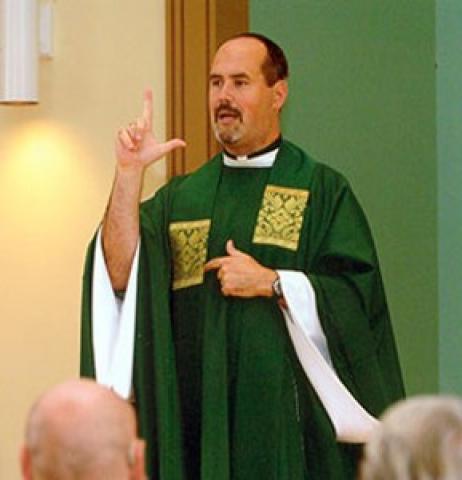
274	65
81	430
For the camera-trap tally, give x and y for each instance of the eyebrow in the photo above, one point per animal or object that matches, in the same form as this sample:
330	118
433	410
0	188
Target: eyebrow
235	76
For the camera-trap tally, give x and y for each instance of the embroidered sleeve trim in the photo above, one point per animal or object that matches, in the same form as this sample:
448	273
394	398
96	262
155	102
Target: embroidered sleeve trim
280	217
188	241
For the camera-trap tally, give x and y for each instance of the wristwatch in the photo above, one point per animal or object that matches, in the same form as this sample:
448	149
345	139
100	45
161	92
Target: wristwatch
277	289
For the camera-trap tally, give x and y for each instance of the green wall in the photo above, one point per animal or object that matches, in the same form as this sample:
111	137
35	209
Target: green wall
449	121
362	99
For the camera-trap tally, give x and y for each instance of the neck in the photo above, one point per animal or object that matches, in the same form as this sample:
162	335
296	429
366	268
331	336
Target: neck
268	147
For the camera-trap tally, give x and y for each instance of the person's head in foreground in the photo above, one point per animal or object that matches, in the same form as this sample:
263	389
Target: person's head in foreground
81	430
420	439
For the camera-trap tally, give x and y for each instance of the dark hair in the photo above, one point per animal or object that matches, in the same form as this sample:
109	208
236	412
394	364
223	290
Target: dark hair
275	66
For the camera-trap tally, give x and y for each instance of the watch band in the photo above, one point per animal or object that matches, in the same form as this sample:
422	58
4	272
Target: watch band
277	288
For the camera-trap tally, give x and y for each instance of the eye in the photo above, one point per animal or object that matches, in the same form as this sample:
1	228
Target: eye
240	83
215	82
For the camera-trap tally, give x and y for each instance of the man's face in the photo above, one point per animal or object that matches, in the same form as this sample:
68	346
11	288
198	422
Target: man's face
244	110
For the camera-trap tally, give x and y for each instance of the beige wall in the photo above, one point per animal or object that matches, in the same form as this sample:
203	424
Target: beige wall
56	165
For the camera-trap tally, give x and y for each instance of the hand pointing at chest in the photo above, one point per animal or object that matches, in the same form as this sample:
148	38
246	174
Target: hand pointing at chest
240	275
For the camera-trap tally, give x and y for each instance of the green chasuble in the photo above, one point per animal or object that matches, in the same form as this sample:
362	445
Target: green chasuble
220	392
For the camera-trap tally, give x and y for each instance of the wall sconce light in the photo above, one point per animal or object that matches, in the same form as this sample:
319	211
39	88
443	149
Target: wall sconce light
25	31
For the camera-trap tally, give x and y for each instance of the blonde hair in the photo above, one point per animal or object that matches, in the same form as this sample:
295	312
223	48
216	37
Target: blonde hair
419	439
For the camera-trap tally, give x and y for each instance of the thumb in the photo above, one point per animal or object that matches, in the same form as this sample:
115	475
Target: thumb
232	250
167	147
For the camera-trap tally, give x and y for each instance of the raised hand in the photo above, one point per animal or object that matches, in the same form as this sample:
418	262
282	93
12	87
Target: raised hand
240	275
136	148
136	145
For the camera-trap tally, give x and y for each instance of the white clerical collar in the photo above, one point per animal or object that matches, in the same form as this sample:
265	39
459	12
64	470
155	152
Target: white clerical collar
265	160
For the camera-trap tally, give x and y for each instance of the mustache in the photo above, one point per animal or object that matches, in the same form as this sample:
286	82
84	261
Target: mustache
227	110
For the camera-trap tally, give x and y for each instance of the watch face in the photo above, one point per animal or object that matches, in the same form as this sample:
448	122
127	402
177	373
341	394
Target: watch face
277	287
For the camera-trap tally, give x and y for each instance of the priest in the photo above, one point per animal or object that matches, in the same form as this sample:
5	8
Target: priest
242	307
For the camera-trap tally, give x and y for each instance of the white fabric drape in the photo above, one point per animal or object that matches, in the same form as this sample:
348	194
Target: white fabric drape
113	326
351	422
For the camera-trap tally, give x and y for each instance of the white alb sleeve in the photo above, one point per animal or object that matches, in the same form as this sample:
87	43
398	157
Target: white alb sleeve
351	422
301	302
113	325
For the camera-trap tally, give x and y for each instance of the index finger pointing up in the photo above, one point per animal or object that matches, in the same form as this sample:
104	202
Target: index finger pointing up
147	109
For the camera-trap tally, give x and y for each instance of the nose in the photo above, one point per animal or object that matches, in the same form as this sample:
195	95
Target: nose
225	93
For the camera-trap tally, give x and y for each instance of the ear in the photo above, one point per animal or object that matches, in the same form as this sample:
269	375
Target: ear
280	92
26	463
138	471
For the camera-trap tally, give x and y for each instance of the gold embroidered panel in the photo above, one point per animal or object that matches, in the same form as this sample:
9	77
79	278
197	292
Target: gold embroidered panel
281	216
188	241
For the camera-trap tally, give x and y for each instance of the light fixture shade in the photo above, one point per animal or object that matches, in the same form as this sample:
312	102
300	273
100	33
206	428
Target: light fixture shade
18	51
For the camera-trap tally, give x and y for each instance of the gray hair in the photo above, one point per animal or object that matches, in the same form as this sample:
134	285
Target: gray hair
419	439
